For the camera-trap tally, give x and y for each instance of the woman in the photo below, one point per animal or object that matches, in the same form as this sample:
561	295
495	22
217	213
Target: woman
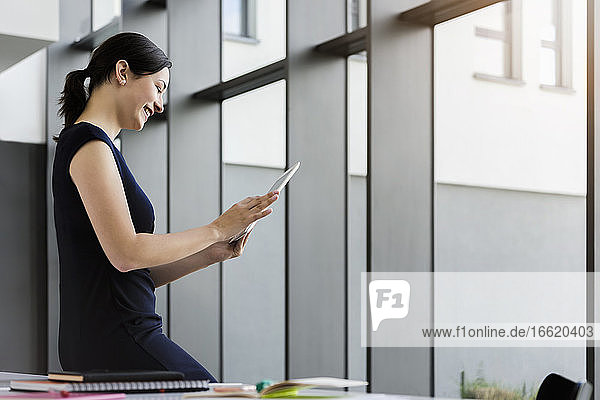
110	260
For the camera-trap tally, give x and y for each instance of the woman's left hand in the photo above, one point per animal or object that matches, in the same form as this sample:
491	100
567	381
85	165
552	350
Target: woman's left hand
222	251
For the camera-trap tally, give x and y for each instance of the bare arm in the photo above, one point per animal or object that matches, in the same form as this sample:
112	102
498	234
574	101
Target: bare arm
167	273
94	172
218	252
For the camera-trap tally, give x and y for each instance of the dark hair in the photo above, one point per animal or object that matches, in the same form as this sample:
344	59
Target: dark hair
142	55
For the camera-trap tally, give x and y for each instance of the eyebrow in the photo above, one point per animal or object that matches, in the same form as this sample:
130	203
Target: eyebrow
164	87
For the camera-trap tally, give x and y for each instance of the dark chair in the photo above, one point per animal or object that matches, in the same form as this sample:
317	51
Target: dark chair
556	387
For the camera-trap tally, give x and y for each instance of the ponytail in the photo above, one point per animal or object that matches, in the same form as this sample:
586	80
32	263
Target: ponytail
73	97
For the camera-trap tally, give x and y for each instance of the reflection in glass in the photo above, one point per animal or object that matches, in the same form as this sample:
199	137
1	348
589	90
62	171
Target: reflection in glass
254	35
254	156
548	66
233	17
548	20
509	177
254	127
489	56
493	39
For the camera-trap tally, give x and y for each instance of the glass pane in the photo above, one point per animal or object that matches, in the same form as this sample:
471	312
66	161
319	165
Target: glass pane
547	20
510	187
254	35
357	14
253	153
254	127
104	11
232	17
547	66
357	114
357	206
492	17
489	56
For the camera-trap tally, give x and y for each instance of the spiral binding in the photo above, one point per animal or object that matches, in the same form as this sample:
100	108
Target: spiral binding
139	386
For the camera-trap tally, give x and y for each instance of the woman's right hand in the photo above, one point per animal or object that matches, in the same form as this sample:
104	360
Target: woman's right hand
243	213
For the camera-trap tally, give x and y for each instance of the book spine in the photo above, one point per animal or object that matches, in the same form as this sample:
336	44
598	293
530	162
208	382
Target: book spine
140	386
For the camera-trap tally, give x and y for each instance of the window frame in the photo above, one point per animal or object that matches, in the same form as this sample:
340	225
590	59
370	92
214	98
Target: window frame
562	47
511	36
248	24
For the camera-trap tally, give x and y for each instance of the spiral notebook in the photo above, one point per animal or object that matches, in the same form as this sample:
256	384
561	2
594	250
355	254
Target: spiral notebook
126	387
60	396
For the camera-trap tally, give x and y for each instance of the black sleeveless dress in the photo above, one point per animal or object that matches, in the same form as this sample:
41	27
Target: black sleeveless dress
107	317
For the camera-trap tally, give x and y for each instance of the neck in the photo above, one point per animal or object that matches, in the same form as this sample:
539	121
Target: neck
100	110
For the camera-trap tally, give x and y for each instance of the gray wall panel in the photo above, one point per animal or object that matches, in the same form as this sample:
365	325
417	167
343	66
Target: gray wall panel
357	263
485	229
316	197
482	229
195	157
75	21
400	171
23	290
254	285
148	19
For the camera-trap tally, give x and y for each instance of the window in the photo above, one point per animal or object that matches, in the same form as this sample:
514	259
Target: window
555	50
498	44
356	207
239	17
254	35
254	156
357	14
509	181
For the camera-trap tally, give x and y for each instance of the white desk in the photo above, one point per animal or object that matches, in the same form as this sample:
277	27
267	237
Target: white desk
5	377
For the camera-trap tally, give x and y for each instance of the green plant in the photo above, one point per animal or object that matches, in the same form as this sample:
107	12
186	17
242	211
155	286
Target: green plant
479	388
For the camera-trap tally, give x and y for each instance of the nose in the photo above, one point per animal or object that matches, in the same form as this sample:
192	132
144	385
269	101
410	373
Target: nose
158	105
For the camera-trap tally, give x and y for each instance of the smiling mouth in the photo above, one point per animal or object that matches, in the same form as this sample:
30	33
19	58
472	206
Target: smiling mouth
146	113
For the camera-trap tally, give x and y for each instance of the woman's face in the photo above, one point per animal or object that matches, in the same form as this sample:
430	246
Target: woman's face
140	97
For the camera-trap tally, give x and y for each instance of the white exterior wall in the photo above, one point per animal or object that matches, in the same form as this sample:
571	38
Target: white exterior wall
254	127
35	19
24	120
104	11
240	57
495	135
357	115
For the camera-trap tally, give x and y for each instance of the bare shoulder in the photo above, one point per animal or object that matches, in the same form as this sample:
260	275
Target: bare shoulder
93	158
95	174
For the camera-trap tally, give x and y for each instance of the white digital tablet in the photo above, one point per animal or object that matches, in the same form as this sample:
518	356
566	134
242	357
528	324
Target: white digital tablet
278	185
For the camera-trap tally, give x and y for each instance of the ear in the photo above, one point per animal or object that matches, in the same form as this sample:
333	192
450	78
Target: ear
121	70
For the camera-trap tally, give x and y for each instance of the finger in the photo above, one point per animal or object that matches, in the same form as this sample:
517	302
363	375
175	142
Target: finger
261	214
265	201
257	199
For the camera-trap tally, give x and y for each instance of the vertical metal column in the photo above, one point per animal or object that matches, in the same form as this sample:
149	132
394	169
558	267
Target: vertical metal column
592	201
400	131
194	169
316	206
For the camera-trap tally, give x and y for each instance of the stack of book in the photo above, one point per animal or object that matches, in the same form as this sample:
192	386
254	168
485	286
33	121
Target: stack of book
114	385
